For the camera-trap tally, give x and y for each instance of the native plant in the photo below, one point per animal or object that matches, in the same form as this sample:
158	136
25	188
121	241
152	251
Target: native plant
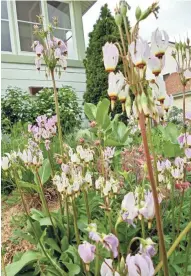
118	186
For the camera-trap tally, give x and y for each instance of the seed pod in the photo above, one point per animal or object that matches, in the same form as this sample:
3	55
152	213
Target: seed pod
128	106
145	104
118	18
138	13
123	7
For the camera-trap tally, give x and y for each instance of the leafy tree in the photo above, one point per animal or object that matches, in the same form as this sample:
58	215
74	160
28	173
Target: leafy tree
104	30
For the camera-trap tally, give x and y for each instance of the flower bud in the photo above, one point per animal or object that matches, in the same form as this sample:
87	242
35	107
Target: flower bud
138	13
118	18
93	124
81	140
123	7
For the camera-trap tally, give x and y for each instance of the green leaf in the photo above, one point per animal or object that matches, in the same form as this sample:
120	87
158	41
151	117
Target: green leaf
53	245
26	259
102	117
64	243
24	184
45	221
44	172
73	269
74	253
90	111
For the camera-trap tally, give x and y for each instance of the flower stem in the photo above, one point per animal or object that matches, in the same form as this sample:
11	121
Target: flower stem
57	112
87	206
143	227
54	264
155	194
97	261
180	212
46	205
67	216
75	222
188	246
3	265
50	161
173	209
175	244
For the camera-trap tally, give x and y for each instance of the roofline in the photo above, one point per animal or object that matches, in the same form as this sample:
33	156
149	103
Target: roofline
90	5
179	94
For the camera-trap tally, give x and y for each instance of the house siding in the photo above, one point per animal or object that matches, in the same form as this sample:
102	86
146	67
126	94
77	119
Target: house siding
26	75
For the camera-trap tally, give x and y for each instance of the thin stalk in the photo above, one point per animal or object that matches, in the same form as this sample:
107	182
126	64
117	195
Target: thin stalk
126	29
180	212
46	205
143	227
122	40
87	206
97	261
3	265
50	161
173	209
155	194
188	246
57	112
153	152
54	264
75	222
67	216
173	247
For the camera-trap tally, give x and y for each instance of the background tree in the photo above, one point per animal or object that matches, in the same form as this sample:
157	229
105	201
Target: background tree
104	30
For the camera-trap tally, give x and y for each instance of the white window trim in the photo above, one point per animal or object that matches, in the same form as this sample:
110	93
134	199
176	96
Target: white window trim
14	29
11	31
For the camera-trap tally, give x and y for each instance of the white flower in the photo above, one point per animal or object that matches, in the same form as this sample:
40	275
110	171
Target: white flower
123	94
158	44
168	102
159	89
129	210
74	158
156	65
5	163
187	74
99	182
88	178
107	188
105	269
115	84
140	52
161	177
110	56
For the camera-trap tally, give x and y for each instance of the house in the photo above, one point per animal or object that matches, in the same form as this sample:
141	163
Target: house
172	80
17	20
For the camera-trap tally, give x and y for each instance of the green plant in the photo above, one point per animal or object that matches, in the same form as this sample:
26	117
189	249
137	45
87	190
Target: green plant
19	106
16	105
70	111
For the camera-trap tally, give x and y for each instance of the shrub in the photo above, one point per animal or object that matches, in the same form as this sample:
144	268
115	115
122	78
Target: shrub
18	105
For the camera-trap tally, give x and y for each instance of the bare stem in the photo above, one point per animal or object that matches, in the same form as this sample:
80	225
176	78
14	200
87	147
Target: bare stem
87	205
155	194
175	244
57	112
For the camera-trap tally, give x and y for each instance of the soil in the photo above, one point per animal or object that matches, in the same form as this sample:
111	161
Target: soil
15	209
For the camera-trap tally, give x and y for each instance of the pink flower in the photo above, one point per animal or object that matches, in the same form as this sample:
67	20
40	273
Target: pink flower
107	268
139	265
57	53
148	210
188	115
111	243
181	139
140	52
47	144
148	248
188	153
39	50
110	56
182	185
38	63
87	252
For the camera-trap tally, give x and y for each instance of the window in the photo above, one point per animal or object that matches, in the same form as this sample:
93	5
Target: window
165	76
5	32
64	30
26	17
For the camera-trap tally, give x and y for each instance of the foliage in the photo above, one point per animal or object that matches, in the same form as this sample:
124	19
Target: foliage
16	105
70	112
19	106
175	115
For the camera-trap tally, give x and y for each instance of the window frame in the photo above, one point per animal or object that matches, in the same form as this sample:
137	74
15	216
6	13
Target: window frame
14	27
11	31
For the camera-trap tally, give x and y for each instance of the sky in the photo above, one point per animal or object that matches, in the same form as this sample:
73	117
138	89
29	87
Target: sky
174	17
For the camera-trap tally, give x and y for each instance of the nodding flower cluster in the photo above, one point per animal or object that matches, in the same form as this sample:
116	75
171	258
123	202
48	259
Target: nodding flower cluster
32	156
44	130
185	142
140	262
175	170
6	161
73	177
154	101
137	205
54	52
109	187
